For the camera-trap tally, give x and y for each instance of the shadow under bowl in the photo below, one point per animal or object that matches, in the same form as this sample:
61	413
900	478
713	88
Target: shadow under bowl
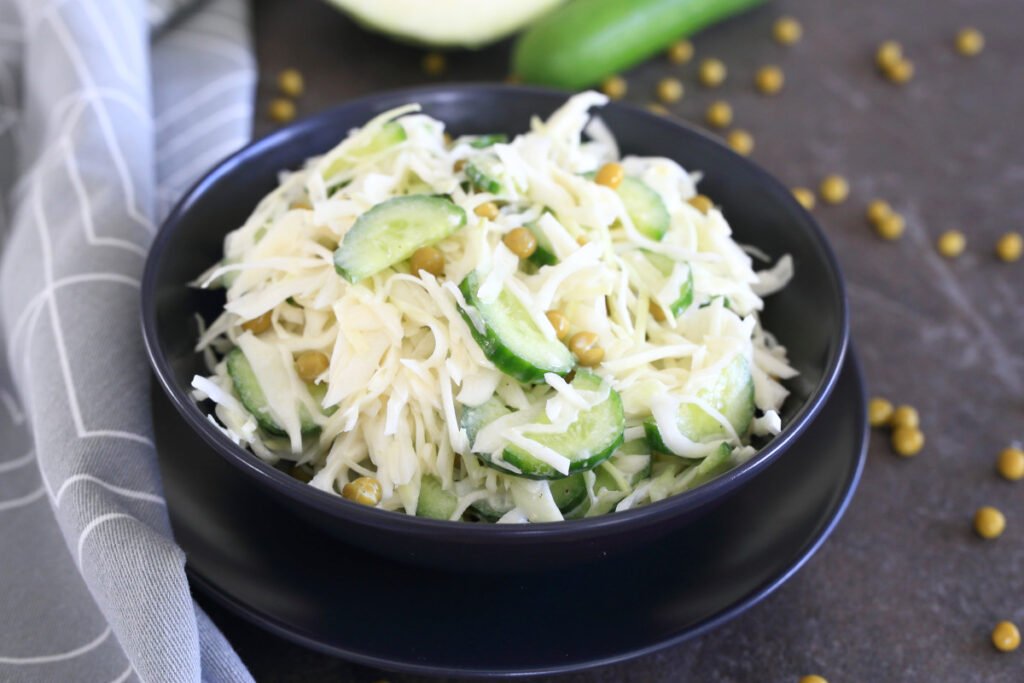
809	317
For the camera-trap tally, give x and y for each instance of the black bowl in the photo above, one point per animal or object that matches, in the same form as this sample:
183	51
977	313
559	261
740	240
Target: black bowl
809	316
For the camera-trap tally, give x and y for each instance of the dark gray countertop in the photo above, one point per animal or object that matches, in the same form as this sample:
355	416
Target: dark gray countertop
903	591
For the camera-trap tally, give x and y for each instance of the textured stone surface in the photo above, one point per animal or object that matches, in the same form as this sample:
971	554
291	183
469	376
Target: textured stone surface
903	591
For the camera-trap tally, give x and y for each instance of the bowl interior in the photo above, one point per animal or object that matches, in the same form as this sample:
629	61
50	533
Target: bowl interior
808	316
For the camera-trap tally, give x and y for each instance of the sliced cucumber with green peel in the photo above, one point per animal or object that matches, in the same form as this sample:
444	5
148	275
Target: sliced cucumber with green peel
392	231
483	172
544	255
255	401
644	205
732	395
434	501
568	492
511	339
665	266
391	133
716	464
483	141
605	482
493	509
475	418
587	442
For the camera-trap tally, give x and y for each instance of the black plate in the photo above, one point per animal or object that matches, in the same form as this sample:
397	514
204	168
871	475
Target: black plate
249	553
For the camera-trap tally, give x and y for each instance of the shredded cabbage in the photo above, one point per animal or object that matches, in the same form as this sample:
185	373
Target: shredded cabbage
403	362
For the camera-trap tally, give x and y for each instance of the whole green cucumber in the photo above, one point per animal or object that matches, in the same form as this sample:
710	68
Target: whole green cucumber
579	44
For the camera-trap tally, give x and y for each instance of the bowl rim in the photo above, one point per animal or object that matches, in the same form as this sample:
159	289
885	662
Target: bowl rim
470	533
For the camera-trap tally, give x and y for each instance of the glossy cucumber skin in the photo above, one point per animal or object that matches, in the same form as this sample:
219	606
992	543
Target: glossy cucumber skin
481	180
732	395
391	133
252	397
509	354
583	444
392	231
580	43
644	205
435	502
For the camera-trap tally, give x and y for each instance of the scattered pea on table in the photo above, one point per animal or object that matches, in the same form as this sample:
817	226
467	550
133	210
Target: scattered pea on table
434	64
905	416
880	412
712	72
888	55
614	87
813	678
901	72
878	210
281	110
1010	463
670	90
952	243
787	31
834	189
1009	247
291	83
769	79
969	41
719	114
891	227
804	196
1006	636
680	52
907	441
741	141
989	522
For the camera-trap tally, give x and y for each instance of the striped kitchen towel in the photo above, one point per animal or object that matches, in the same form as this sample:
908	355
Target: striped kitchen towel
109	109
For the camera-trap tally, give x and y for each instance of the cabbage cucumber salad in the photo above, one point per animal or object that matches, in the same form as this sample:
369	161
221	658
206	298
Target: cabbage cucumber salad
489	328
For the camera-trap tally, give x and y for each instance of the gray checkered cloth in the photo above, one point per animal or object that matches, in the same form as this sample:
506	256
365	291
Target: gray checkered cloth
109	109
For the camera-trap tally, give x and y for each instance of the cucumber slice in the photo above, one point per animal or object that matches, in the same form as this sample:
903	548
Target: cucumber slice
643	204
391	133
487	140
716	464
391	231
475	418
605	482
255	401
568	492
732	395
665	266
434	501
511	339
587	442
545	252
483	173
494	508
645	207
